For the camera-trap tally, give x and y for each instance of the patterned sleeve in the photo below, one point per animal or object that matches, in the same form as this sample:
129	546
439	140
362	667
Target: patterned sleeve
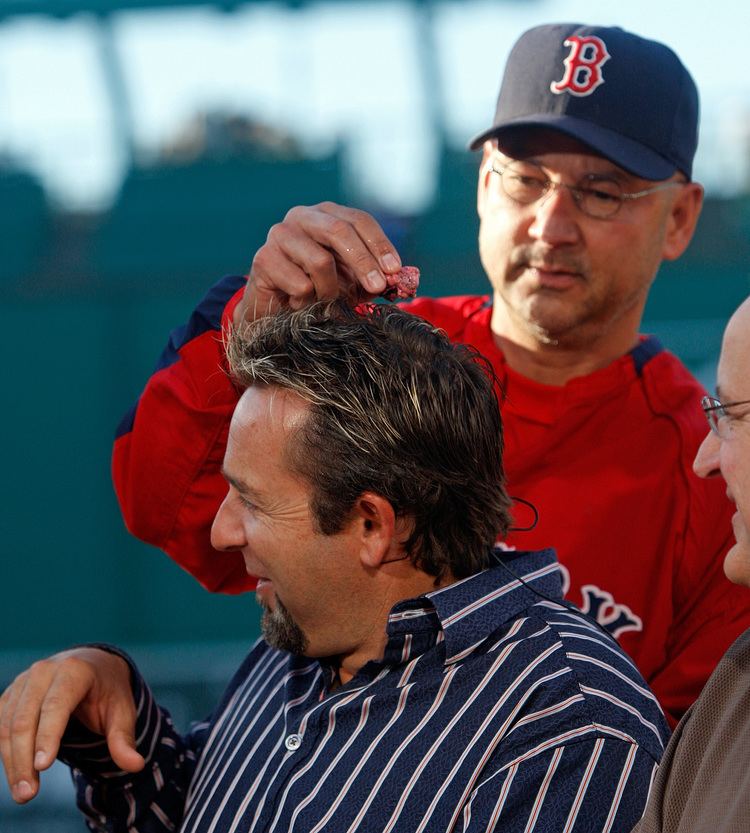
591	785
151	801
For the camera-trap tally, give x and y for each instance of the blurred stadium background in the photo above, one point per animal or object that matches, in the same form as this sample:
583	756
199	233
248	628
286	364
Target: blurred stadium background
92	277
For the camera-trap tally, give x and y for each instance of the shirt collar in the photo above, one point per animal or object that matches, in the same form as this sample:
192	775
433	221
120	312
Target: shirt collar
465	613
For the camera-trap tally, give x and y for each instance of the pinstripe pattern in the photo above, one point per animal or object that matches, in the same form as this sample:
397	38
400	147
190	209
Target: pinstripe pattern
492	709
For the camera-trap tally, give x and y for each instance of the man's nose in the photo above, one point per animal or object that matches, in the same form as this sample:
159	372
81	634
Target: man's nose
226	531
706	463
556	217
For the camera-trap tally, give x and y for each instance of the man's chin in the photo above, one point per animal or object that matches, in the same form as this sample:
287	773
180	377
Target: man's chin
547	326
281	631
555	320
737	562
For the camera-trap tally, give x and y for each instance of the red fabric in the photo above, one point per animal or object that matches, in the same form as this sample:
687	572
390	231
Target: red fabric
606	459
166	469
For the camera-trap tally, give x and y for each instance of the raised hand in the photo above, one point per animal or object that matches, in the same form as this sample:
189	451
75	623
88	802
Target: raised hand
318	252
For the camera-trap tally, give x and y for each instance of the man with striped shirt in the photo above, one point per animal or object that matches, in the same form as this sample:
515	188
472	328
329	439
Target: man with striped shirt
410	678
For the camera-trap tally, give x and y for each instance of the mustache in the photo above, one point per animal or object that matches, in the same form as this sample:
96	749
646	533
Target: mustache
533	256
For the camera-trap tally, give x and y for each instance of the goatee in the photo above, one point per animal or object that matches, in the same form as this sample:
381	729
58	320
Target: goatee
281	631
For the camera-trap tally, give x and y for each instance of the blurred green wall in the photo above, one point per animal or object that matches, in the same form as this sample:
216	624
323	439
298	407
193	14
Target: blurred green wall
70	571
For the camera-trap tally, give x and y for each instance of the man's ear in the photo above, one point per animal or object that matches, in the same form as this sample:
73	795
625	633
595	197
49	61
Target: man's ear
682	220
485	172
377	525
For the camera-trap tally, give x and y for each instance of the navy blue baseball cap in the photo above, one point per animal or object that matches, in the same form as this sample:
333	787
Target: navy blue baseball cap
629	99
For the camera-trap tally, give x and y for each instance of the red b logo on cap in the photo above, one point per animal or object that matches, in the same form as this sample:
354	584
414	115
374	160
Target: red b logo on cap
583	66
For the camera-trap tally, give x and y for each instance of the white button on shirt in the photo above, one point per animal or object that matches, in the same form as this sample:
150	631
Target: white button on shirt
293	742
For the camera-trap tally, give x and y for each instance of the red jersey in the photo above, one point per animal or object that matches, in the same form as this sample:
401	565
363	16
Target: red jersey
606	460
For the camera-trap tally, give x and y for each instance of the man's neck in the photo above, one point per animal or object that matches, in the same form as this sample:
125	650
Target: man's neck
555	363
372	646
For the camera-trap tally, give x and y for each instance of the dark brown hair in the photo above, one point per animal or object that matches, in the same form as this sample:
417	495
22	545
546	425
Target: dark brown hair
395	409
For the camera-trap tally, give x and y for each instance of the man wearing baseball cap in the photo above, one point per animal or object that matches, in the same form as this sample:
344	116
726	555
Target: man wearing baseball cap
585	187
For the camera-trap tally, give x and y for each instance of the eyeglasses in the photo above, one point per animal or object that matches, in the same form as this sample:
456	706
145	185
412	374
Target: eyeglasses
595	196
716	410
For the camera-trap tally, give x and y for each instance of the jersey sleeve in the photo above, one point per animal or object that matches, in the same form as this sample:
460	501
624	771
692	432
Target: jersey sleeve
167	457
709	611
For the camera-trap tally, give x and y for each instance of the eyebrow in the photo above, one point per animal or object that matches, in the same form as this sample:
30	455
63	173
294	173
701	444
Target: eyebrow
614	172
239	484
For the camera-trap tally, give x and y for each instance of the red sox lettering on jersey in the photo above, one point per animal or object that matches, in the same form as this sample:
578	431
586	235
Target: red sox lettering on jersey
600	605
583	66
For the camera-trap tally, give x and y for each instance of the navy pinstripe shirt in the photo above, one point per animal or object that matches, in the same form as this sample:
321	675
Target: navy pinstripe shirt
493	708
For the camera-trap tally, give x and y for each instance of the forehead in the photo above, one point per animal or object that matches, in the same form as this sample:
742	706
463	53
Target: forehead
734	364
263	423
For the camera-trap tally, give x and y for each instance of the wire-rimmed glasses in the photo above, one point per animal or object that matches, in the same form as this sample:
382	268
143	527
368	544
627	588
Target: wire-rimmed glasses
596	195
715	411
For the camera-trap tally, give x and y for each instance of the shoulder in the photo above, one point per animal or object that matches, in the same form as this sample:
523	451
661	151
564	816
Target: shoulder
707	751
673	395
603	691
725	693
450	314
673	391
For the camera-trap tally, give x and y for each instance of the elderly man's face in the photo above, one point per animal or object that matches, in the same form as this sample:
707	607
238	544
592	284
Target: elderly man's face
305	578
564	277
729	453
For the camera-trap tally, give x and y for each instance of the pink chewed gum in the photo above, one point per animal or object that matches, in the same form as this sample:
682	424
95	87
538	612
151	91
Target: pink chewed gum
403	284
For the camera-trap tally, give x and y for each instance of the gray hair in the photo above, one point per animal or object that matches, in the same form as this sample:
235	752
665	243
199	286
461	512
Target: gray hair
395	409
